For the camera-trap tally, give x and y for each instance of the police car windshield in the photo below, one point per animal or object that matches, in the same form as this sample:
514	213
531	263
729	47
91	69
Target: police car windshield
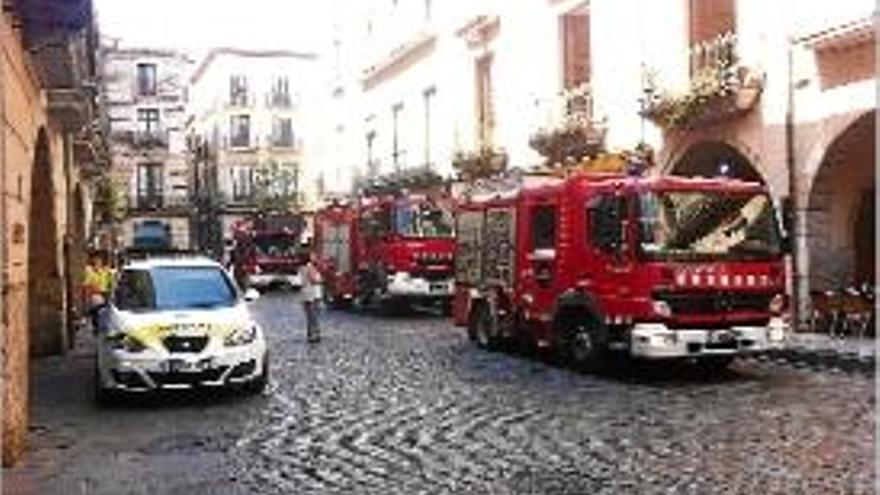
173	288
708	224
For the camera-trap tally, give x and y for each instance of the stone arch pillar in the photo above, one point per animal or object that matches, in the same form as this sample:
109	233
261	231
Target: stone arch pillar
46	291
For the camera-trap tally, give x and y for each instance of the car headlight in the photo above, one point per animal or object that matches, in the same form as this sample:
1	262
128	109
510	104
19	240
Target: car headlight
124	342
241	336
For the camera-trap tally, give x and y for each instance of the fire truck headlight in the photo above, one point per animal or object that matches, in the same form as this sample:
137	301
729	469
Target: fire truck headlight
662	309
777	304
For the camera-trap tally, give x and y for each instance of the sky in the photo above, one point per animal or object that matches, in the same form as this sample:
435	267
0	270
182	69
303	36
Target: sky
197	25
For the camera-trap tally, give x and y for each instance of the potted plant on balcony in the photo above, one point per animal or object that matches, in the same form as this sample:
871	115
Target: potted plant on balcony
483	162
575	135
718	90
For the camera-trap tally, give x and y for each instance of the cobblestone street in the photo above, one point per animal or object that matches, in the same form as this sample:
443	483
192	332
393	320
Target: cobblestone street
407	405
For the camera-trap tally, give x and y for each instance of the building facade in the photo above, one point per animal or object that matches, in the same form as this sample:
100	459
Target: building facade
52	152
146	95
782	94
249	126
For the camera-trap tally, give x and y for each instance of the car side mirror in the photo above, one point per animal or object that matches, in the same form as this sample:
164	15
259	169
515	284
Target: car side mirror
251	295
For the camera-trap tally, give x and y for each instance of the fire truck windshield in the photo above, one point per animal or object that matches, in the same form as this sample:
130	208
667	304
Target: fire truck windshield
708	224
422	220
275	245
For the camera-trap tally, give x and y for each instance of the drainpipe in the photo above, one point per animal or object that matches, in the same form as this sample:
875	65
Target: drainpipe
795	221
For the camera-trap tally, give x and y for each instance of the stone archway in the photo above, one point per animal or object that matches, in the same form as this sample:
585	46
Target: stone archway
841	213
713	159
46	317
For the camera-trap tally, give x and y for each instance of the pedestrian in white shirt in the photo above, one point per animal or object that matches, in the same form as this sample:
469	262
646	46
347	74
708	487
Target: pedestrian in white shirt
311	297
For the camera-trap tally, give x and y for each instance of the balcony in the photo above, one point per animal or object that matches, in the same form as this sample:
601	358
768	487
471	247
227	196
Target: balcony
245	100
281	101
61	38
282	142
242	142
143	140
572	132
159	202
720	89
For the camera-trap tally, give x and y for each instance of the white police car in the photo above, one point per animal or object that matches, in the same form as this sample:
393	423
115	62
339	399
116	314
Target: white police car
177	323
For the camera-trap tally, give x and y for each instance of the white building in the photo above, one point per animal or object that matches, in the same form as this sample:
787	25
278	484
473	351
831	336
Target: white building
145	91
254	110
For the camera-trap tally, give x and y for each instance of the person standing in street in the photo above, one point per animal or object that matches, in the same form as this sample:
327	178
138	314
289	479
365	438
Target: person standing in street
97	281
311	297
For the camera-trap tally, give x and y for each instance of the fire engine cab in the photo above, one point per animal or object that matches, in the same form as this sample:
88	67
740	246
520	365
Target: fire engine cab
268	250
659	268
387	249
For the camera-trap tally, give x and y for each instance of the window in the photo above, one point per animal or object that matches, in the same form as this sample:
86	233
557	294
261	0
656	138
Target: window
397	153
282	132
281	92
485	110
242	182
710	24
134	291
175	288
238	92
710	19
428	96
149	185
146	79
372	164
606	217
543	219
240	131
148	121
575	48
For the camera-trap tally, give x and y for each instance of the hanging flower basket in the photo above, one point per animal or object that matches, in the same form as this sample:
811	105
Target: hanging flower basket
715	95
485	162
567	143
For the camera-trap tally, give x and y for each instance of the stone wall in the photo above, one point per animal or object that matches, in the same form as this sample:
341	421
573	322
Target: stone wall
23	106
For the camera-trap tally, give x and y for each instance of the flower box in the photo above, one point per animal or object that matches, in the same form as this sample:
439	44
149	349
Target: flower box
485	162
565	144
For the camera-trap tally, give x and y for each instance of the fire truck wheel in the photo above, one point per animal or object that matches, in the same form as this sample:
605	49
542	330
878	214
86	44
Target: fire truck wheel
582	345
481	328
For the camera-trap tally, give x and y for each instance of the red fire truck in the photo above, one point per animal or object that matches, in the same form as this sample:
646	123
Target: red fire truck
268	250
659	268
387	249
